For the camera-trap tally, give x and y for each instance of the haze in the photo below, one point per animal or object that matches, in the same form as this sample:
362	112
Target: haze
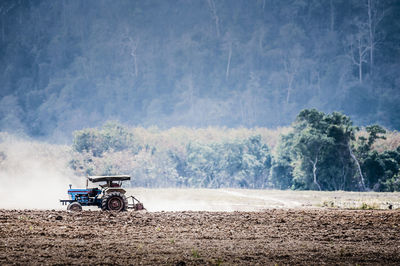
68	65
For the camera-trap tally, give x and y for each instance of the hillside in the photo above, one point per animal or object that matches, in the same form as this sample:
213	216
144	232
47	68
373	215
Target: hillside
68	65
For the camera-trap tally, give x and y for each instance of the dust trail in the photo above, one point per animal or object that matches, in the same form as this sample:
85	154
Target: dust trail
226	200
174	199
33	175
268	199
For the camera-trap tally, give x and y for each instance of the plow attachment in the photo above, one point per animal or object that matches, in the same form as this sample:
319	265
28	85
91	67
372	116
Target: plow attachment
134	203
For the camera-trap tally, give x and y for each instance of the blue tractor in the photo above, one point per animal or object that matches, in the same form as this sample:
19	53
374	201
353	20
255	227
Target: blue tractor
109	197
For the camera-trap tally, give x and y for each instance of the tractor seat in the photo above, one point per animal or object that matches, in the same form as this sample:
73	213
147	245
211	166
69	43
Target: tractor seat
92	192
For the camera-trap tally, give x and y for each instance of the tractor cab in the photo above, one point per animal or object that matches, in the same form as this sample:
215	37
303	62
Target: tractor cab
110	195
110	183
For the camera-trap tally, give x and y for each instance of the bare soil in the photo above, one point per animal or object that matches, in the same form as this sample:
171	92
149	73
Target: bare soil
275	236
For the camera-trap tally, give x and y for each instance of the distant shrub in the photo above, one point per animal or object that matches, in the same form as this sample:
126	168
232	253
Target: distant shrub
391	185
366	206
111	137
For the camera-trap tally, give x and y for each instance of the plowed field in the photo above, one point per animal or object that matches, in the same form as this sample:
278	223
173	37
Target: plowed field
282	236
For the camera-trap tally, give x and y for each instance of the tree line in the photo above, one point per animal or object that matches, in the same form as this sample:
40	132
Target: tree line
318	151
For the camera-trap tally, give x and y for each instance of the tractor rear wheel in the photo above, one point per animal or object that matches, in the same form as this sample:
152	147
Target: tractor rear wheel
74	207
114	201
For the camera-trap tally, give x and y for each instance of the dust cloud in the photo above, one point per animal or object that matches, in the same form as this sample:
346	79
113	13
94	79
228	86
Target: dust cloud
33	175
220	200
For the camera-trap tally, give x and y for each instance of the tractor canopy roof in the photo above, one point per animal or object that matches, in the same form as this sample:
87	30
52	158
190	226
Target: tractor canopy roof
102	178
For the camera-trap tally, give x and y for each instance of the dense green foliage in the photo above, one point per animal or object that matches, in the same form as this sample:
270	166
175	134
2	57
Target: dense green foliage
229	163
381	169
322	153
319	152
112	137
67	65
243	163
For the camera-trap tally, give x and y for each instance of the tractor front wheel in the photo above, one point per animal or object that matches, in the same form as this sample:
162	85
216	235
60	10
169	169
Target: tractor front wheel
74	207
114	201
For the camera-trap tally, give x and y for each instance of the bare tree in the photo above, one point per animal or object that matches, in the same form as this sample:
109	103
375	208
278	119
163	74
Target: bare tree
359	48
344	171
364	41
229	61
358	167
375	16
228	43
311	151
314	165
291	65
214	15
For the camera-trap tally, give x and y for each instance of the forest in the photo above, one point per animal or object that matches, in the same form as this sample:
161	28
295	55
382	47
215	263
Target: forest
68	65
317	152
291	94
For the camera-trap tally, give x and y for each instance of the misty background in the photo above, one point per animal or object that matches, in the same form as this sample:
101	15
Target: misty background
199	94
68	65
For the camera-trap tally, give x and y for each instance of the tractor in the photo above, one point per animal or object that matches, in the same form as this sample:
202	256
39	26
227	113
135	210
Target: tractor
109	197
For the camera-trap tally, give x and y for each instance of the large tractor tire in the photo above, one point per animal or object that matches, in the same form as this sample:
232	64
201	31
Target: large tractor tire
74	207
114	201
